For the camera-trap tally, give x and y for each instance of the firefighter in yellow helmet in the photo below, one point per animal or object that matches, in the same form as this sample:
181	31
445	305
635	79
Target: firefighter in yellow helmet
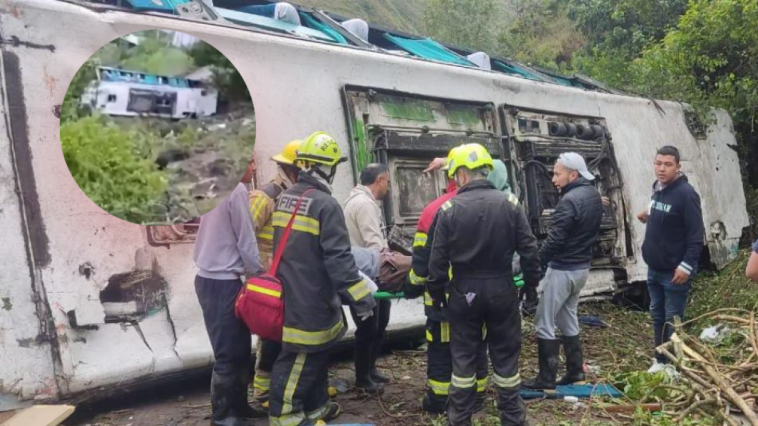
262	205
319	274
439	363
476	234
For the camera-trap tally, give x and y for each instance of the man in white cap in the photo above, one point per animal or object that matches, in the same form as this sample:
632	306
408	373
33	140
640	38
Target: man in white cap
565	256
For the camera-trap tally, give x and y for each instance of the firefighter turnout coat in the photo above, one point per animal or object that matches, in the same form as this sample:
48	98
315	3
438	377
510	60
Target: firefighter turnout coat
262	206
317	269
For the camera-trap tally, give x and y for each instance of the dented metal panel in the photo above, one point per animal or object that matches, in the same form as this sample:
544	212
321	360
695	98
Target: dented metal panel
61	252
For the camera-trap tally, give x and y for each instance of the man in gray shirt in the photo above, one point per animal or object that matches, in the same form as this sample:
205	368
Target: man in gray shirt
225	251
364	220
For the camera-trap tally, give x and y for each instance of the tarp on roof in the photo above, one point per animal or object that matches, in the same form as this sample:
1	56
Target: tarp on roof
314	23
429	49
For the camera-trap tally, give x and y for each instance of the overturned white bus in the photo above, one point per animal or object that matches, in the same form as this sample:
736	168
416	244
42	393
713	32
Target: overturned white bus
120	92
91	303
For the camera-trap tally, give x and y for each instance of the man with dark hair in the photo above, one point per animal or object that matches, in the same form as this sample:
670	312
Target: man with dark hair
672	246
566	255
365	225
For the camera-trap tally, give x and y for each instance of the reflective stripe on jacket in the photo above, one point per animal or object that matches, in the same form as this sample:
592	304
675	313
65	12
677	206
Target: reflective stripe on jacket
317	269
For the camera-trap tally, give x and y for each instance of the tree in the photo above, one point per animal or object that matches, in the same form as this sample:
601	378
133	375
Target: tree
70	109
617	32
227	78
156	55
625	25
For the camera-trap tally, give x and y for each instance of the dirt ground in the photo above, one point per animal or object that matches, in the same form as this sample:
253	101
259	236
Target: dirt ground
620	346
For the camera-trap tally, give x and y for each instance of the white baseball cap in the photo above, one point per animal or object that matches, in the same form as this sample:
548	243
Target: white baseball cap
574	161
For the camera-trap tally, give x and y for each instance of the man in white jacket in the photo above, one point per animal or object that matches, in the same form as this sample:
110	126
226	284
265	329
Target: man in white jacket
365	225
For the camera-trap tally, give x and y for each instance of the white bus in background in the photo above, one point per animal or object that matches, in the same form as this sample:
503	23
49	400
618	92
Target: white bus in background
120	92
90	303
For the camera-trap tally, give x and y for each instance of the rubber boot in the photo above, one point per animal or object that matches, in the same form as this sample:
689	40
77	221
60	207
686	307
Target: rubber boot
241	406
572	346
376	376
433	405
363	372
332	412
547	351
223	389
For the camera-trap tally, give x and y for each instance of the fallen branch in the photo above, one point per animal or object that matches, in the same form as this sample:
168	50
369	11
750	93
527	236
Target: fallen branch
712	314
692	408
631	408
729	392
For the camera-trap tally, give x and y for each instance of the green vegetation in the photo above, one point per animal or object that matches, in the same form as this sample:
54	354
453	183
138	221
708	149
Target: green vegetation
727	289
104	162
226	79
149	170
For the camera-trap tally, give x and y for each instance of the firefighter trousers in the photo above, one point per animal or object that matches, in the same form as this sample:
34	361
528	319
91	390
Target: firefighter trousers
268	351
299	388
439	365
474	303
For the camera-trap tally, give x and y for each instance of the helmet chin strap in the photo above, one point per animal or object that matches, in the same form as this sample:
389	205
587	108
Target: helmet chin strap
319	170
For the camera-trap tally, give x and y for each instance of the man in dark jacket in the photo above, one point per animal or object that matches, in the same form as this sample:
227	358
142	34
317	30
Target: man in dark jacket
475	235
672	246
439	361
318	274
566	256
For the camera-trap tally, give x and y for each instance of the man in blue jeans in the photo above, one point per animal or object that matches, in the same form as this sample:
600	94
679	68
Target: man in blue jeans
225	251
672	246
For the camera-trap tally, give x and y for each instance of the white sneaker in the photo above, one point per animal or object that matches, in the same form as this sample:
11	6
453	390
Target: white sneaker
656	367
671	371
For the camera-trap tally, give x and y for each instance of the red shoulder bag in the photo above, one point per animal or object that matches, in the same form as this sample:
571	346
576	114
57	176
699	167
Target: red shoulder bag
260	303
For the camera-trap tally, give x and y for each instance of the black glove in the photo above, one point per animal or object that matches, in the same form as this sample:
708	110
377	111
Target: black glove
439	298
529	305
411	291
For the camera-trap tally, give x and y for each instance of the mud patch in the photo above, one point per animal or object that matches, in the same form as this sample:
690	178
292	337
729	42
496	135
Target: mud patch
7	305
26	182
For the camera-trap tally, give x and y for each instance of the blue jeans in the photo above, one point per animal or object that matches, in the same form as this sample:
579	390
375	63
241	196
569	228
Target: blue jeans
667	301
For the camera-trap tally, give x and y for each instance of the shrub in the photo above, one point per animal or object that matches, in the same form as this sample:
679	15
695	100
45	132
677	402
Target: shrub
104	161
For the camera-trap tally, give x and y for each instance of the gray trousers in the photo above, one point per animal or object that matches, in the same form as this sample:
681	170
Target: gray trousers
559	300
